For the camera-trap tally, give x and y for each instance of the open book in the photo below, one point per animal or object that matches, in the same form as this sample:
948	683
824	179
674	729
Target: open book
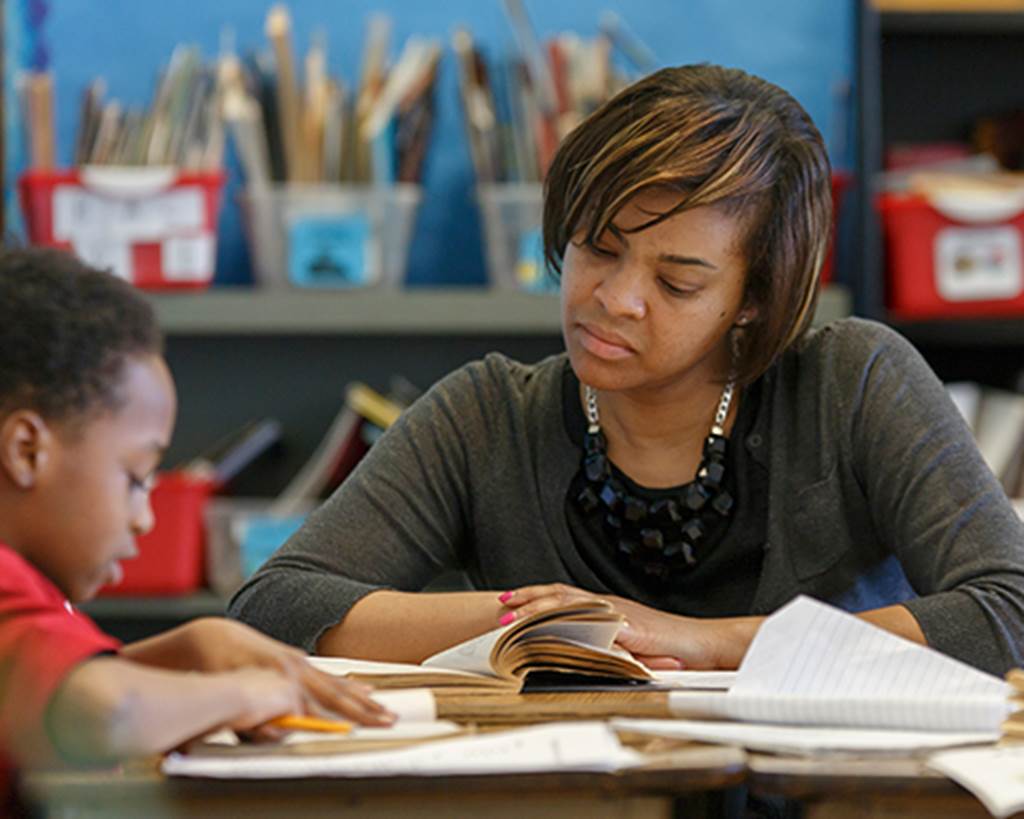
572	646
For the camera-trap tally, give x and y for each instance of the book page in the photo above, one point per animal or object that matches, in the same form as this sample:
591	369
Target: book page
473	655
813	664
343	666
567	746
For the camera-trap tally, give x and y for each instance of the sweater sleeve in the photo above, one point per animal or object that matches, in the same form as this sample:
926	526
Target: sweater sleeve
398	521
939	507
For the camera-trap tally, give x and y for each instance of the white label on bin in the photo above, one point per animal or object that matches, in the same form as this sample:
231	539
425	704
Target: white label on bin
188	258
74	213
79	212
182	209
105	254
972	264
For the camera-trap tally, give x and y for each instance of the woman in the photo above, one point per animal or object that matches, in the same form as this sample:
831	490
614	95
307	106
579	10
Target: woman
697	457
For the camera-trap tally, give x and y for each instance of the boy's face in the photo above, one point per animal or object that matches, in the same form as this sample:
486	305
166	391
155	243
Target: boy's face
97	483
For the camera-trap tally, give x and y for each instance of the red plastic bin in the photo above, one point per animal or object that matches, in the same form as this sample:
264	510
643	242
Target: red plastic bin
154	226
171	556
952	263
840	182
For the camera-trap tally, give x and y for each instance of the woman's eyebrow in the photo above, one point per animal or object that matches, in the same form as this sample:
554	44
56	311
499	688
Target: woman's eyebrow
673	258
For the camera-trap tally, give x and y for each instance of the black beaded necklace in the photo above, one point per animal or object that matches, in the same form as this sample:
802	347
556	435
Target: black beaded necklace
663	536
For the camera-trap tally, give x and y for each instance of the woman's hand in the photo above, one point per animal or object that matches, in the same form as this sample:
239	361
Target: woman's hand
216	644
658	639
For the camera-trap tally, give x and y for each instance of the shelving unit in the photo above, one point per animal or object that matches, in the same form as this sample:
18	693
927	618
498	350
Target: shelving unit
925	76
381	313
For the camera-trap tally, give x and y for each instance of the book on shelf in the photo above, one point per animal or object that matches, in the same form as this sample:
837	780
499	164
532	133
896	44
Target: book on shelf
362	415
996	417
569	647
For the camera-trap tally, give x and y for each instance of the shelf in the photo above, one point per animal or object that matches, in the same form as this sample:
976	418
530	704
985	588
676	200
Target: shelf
416	312
200	604
976	333
994	23
428	312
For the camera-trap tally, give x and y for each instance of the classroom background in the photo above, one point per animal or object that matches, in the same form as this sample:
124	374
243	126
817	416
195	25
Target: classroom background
286	376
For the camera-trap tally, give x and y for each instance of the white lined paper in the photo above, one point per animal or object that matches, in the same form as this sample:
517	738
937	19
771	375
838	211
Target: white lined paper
812	664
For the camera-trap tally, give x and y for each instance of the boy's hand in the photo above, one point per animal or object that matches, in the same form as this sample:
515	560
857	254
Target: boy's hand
216	644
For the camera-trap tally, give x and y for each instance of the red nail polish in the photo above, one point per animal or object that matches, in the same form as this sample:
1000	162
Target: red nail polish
507	618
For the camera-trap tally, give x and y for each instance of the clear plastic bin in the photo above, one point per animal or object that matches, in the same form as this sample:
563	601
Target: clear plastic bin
241	533
330	236
511	217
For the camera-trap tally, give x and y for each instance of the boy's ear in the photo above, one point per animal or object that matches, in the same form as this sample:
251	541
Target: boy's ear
25	444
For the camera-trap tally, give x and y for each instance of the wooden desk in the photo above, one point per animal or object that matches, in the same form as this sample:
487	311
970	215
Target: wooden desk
862	788
696	775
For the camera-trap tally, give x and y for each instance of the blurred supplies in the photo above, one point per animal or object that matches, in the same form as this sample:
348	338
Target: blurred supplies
170	559
181	127
153	226
841	180
320	130
364	413
996	417
227	457
954	244
330	236
331	172
242	533
512	236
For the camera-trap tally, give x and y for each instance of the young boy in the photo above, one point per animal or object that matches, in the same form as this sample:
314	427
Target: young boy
87	405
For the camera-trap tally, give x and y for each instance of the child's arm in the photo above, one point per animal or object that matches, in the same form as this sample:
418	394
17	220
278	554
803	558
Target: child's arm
215	644
109	708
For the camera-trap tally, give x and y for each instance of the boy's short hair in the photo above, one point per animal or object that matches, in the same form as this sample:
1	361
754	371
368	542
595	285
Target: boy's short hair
65	332
718	136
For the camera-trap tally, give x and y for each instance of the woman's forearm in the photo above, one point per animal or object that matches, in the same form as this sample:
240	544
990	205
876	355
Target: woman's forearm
410	626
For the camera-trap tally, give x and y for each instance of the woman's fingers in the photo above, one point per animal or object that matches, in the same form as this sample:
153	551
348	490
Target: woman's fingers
529	600
660	663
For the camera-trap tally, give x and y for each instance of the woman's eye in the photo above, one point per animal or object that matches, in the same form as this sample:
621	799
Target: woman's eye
603	252
680	292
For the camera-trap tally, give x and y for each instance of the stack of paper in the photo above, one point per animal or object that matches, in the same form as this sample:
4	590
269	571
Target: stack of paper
813	665
568	746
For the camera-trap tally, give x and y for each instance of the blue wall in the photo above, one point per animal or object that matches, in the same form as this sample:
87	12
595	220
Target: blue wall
804	45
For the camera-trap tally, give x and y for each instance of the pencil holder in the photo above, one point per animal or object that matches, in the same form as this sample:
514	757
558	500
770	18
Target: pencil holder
330	236
241	533
153	226
511	219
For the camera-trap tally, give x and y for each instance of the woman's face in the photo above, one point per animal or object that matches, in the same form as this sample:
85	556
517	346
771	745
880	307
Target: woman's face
651	311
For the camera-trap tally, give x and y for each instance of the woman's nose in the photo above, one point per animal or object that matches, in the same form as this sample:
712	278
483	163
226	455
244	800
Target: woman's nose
623	292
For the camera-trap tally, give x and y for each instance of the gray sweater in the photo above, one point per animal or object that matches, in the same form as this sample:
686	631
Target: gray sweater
877	495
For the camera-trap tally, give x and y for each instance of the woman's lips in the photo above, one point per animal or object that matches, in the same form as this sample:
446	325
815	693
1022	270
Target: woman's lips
604	344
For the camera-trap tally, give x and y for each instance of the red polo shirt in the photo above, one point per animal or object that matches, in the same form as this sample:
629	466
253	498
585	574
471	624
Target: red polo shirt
42	638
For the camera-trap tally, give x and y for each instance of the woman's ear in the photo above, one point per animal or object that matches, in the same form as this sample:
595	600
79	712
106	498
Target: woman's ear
745	316
26	441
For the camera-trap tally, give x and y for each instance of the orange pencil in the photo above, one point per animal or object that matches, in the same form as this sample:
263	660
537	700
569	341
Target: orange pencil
296	722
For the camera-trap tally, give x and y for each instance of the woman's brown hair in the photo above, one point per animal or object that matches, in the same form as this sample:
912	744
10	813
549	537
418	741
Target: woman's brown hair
718	136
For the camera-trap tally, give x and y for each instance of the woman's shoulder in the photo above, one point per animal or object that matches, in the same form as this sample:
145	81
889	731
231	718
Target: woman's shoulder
496	376
855	342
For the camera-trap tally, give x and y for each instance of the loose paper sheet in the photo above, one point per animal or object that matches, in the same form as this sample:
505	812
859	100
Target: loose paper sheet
812	664
568	746
807	740
994	775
